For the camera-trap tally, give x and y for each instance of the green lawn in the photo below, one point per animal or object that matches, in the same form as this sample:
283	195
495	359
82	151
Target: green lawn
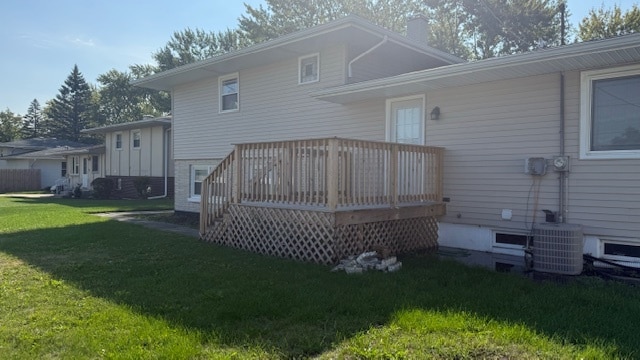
74	286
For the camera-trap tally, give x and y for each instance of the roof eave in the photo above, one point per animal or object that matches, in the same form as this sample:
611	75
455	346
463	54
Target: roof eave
344	94
161	81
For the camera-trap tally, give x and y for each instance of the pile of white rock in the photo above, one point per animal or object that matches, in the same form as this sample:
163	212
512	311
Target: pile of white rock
368	261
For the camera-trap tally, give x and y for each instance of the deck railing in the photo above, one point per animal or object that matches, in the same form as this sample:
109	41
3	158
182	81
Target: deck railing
331	173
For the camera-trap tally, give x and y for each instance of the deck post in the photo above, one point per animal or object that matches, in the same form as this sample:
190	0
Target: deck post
332	174
238	175
393	174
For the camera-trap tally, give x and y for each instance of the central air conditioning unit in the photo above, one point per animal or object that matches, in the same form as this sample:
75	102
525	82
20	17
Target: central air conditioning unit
558	248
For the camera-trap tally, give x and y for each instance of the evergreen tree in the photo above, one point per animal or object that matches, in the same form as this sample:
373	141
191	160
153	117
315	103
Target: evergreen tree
33	121
604	23
10	124
70	111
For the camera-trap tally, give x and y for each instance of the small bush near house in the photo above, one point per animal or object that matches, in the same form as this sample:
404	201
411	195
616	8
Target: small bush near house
77	192
143	186
102	188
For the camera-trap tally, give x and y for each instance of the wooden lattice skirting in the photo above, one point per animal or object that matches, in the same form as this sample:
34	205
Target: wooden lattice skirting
314	236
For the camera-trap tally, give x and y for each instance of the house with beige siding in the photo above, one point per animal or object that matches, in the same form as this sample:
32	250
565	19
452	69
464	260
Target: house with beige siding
131	150
379	130
44	154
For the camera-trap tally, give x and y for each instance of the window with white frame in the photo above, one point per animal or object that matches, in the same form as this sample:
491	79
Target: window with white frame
610	114
135	139
95	161
229	93
75	165
198	174
308	68
118	141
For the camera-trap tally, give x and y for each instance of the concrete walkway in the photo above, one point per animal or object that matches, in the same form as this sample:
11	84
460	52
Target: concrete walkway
132	217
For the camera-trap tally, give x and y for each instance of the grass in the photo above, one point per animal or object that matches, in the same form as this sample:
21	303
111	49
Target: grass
73	285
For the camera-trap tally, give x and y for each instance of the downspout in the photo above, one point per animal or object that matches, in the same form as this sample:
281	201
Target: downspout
166	165
563	174
384	40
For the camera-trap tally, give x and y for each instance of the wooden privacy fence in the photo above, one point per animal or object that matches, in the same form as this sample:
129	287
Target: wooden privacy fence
329	173
19	180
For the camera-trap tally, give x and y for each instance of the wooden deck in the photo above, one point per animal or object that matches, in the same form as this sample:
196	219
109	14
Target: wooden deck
321	199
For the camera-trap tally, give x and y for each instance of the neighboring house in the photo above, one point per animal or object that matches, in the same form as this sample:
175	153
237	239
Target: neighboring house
84	165
45	154
135	149
574	106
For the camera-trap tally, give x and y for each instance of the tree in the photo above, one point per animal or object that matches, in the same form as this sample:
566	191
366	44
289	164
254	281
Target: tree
33	121
467	28
604	23
282	16
70	112
500	27
10	125
189	46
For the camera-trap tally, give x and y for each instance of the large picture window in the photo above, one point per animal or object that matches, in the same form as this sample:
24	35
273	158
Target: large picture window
229	93
610	114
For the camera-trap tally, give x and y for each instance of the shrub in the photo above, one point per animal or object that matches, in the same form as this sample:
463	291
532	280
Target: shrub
143	186
102	188
77	192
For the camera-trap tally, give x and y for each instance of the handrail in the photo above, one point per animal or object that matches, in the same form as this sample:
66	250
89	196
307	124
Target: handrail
327	172
217	192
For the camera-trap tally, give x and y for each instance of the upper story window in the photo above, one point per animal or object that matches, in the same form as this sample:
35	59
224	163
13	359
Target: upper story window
309	68
135	139
229	93
118	141
610	114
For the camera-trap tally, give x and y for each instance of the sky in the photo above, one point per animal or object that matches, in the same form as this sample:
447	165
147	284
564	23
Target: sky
41	40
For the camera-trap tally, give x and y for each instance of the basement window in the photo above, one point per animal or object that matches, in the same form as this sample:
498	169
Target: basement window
625	250
511	239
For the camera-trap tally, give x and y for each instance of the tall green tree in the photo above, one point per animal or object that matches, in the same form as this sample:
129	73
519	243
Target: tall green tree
467	28
500	27
189	45
281	17
70	111
604	23
10	125
33	121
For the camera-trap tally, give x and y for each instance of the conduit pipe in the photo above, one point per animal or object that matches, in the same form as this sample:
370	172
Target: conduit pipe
562	179
384	40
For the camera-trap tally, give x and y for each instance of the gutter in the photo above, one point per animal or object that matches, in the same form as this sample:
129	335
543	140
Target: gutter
384	40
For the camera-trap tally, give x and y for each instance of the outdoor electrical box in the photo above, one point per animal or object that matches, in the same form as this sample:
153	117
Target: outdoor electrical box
536	166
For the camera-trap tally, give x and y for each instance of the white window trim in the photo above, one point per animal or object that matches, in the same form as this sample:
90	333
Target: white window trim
192	175
75	166
115	141
133	132
586	85
422	116
300	59
221	79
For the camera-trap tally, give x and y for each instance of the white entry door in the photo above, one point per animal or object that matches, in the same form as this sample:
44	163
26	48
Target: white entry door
406	120
405	124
